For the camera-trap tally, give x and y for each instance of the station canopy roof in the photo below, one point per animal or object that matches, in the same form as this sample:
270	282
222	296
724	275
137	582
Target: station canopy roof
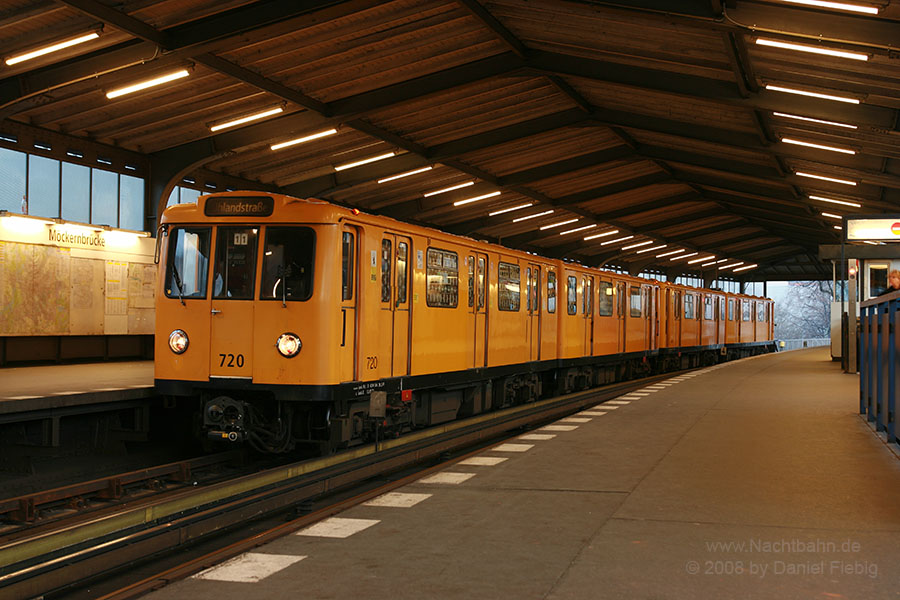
629	133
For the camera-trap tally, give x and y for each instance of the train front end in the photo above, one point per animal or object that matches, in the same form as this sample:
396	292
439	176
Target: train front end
242	319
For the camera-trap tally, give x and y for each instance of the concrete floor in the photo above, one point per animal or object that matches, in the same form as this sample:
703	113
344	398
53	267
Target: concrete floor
755	479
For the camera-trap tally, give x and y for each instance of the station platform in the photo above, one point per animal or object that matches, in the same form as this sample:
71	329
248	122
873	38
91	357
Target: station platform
29	389
752	479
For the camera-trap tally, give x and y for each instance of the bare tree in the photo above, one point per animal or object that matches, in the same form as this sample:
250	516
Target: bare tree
805	311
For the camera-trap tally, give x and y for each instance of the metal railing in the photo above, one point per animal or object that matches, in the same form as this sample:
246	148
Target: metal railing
799	343
879	327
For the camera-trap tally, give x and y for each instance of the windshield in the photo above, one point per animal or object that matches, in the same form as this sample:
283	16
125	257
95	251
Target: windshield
234	274
288	263
188	262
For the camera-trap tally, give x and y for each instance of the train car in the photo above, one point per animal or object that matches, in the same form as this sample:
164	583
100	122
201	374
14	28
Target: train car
296	322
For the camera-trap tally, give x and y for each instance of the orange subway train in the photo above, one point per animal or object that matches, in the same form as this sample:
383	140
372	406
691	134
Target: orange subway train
292	322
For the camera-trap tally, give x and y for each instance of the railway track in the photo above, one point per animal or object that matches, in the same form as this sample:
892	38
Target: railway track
40	561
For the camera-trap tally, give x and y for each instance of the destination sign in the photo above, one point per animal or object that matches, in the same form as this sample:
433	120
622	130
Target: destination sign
239	206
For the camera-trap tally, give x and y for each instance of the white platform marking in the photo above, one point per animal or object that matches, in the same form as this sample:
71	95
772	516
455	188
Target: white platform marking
337	527
397	500
513	448
537	436
641	394
447	478
248	568
592	413
70	393
620	402
559	428
575	420
629	397
20	397
646	391
483	461
607	407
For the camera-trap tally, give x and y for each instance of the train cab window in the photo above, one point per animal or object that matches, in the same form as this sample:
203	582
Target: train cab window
689	306
348	251
234	273
508	292
480	281
551	292
572	295
471	263
746	309
188	264
287	271
636	301
605	300
402	261
442	275
731	309
708	312
386	257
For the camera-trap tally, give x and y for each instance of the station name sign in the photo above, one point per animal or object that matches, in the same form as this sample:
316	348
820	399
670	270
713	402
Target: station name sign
873	229
239	206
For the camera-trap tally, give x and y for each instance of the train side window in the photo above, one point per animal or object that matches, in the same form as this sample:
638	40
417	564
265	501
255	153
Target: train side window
288	261
386	252
620	294
188	264
529	290
402	261
605	301
471	263
689	306
676	308
480	281
234	273
442	275
731	309
760	312
551	292
508	292
572	295
588	299
721	301
636	301
746	309
708	312
348	250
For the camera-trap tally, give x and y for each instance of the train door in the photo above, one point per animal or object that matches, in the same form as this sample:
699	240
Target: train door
587	309
395	252
533	306
349	278
231	308
653	318
621	306
479	310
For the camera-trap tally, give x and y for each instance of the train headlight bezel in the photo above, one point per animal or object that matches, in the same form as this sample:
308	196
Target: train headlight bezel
288	344
179	341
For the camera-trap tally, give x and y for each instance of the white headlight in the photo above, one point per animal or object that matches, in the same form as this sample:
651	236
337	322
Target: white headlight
288	344
178	341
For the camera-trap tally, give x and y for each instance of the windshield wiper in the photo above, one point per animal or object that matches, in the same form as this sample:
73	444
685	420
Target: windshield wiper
178	284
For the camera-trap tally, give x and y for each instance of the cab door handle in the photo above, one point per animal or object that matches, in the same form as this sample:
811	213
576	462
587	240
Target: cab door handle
215	311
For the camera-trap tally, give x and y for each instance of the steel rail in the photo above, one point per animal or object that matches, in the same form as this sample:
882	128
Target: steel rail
35	565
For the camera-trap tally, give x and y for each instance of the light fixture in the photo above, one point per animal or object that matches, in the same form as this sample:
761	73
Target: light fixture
696	260
448	189
869	10
638	245
737	264
660	247
811	120
600	235
744	268
665	254
838	227
833	201
585	228
831	215
559	224
817	146
873	243
510	209
147	83
476	198
247	119
823	178
23	224
674	258
364	161
710	263
535	215
307	138
74	229
178	341
14	60
778	88
617	240
120	239
407	174
811	49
